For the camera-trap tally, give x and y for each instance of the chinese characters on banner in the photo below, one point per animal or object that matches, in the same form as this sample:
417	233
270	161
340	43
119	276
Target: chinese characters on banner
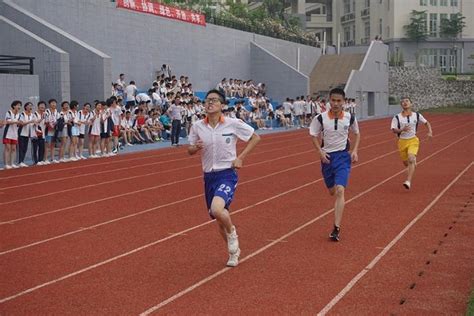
159	9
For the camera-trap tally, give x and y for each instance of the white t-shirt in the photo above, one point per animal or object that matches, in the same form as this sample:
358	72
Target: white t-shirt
83	119
335	134
11	130
116	113
219	142
27	130
130	91
51	118
175	112
410	121
286	108
143	97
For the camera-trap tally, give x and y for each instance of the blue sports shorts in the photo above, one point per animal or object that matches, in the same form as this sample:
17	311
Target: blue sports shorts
337	171
220	183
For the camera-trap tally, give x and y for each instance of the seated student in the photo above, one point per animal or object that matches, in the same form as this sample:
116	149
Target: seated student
281	118
140	124
166	122
130	126
154	125
254	119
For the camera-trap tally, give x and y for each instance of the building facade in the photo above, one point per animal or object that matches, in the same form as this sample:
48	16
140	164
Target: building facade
357	22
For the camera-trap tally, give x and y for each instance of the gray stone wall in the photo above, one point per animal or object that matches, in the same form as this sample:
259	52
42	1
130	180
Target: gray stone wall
51	63
427	88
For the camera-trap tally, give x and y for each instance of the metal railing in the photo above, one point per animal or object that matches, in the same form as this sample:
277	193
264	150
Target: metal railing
16	65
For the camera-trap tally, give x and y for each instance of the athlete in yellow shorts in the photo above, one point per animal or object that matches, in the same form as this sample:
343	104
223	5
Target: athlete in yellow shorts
405	125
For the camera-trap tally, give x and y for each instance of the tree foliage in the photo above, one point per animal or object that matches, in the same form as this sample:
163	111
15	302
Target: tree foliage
417	30
451	28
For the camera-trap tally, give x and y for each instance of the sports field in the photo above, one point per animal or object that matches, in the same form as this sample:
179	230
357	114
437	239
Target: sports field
148	247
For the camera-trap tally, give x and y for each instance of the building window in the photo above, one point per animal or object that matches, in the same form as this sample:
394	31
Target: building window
443	3
388	32
388	5
433	24
367	29
367	4
443	16
347	34
423	2
454	3
380	27
433	2
347	6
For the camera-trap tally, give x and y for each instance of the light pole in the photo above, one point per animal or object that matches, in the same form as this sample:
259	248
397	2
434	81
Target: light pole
455	49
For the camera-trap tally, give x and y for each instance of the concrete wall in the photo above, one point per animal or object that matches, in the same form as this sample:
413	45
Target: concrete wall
371	77
51	64
266	67
90	69
140	43
16	87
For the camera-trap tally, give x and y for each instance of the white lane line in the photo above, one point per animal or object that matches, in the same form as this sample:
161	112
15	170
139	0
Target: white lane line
255	253
167	184
99	264
389	246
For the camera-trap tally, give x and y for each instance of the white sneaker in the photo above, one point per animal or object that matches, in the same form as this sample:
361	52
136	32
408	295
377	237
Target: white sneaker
233	259
8	167
39	163
83	157
23	165
233	241
55	161
73	159
46	162
130	145
15	166
407	185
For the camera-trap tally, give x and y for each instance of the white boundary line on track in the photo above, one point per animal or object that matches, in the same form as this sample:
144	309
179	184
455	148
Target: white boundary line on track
389	246
272	137
99	264
255	253
168	204
12	221
109	162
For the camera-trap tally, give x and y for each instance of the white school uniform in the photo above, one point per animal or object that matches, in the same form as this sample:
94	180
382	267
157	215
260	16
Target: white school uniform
219	142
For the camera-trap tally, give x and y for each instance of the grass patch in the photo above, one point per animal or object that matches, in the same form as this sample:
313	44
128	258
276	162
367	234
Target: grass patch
470	305
451	109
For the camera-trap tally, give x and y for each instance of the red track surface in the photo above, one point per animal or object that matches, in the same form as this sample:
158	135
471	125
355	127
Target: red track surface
80	240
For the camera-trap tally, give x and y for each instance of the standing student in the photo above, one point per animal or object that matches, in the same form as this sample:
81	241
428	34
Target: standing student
62	129
83	121
216	138
39	134
95	129
333	127
26	132
10	135
405	125
51	118
176	114
73	131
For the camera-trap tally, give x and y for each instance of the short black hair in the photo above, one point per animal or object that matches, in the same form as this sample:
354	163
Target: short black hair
73	104
52	100
41	102
121	75
64	102
337	91
14	103
221	95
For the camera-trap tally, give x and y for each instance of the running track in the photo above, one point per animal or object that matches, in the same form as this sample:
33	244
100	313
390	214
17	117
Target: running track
130	234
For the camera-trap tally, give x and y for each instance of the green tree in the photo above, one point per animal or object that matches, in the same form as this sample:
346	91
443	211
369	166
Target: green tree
416	30
451	28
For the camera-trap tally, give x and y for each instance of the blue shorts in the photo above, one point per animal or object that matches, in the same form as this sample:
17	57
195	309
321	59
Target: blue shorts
220	183
337	171
49	139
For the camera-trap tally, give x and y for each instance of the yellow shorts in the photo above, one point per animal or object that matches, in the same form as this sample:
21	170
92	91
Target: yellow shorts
408	147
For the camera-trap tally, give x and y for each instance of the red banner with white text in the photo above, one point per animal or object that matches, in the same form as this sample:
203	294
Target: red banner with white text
162	10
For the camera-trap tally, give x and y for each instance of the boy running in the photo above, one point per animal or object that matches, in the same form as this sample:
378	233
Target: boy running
217	136
405	125
333	126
